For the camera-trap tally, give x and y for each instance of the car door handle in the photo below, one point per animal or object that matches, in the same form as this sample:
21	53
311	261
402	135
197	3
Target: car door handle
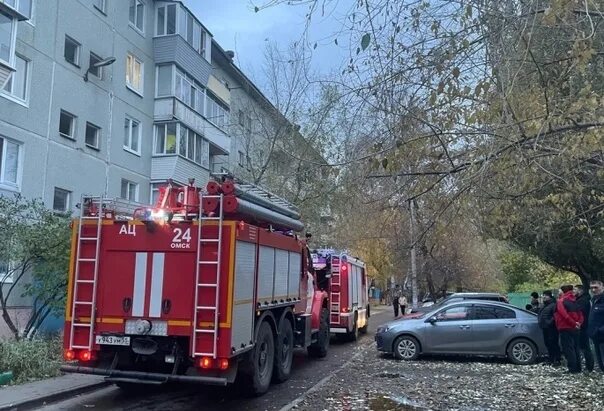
510	325
464	327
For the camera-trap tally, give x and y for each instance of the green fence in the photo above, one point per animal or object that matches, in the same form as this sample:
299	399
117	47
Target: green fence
519	300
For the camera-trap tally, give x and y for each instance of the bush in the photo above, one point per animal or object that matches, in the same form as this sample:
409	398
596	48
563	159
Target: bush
31	360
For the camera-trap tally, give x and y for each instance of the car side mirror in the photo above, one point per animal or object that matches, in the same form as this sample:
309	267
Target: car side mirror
432	320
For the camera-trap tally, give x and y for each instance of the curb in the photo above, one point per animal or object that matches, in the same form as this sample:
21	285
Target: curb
32	403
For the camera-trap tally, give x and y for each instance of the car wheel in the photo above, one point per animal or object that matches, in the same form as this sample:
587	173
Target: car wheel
406	348
522	352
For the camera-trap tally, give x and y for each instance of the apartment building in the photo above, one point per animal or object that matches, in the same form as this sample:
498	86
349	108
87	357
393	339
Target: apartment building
106	96
114	97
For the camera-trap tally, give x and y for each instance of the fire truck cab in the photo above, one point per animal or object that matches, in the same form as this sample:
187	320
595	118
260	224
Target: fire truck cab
345	278
203	287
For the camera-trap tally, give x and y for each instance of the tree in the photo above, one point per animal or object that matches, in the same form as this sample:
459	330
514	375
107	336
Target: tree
34	245
496	104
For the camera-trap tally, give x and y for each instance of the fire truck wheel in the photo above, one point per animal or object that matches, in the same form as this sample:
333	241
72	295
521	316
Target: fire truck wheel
318	349
258	372
354	334
284	351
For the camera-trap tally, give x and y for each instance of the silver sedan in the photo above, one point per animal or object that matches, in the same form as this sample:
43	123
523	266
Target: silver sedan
466	328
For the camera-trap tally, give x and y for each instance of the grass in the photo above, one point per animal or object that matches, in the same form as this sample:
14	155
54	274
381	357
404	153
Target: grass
31	360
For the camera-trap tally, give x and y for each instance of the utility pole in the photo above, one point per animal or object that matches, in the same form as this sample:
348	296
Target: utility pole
413	263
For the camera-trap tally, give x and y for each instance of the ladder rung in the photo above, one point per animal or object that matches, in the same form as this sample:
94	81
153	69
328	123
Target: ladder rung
210	218
85	281
80	347
88	239
207	285
205	307
208	262
90	218
204	354
83	302
87	259
81	325
205	331
209	240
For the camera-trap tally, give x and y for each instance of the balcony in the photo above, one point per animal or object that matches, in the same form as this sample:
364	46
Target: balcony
178	169
19	9
167	109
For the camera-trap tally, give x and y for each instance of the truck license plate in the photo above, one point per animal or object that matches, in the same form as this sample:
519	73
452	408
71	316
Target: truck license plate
112	340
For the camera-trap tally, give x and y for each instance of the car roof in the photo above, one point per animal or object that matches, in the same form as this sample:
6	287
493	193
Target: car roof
475	295
485	302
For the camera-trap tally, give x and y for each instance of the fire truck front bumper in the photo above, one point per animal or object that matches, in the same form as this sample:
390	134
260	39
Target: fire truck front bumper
144	377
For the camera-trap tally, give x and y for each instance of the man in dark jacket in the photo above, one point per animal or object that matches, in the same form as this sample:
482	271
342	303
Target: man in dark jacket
548	327
568	319
595	326
584	304
534	302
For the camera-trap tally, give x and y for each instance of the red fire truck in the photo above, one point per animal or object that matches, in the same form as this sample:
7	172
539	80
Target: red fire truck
203	287
345	278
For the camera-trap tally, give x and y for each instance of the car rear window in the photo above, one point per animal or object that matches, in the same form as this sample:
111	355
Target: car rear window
484	312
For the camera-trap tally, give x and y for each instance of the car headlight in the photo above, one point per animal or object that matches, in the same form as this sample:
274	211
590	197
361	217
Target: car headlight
382	329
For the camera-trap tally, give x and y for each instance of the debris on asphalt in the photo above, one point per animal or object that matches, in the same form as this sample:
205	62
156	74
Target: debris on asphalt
381	383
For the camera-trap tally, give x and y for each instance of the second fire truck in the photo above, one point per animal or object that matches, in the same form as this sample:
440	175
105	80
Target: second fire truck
345	278
202	287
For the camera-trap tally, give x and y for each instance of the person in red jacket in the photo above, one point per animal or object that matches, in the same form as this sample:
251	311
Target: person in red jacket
569	318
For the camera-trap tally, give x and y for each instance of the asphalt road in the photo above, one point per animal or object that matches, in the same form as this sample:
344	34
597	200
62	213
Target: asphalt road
306	373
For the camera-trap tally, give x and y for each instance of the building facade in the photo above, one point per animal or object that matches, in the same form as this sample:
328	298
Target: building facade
113	97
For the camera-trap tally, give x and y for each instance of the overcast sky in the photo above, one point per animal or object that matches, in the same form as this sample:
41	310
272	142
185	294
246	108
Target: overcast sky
236	26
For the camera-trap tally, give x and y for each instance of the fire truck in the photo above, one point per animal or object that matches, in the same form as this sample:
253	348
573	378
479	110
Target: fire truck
203	287
345	278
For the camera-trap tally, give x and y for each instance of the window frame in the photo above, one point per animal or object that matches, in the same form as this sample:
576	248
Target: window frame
13	41
73	126
129	148
102	8
10	94
128	184
67	199
10	279
9	185
78	51
100	69
133	23
97	136
131	87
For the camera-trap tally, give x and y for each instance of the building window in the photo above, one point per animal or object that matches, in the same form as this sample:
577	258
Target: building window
101	5
137	14
165	138
248	128
61	201
9	162
22	6
129	190
6	273
132	135
164	81
18	83
134	73
190	145
95	71
72	51
93	134
216	112
67	122
166	20
7	24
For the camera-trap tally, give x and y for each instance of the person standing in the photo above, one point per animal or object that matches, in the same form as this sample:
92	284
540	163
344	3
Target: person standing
403	303
584	304
548	327
534	302
396	294
595	326
568	318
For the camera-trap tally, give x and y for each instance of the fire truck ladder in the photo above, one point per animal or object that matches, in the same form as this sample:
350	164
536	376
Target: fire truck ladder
335	296
214	266
97	221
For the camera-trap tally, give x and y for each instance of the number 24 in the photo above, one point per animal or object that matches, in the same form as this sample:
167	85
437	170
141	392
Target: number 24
179	236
